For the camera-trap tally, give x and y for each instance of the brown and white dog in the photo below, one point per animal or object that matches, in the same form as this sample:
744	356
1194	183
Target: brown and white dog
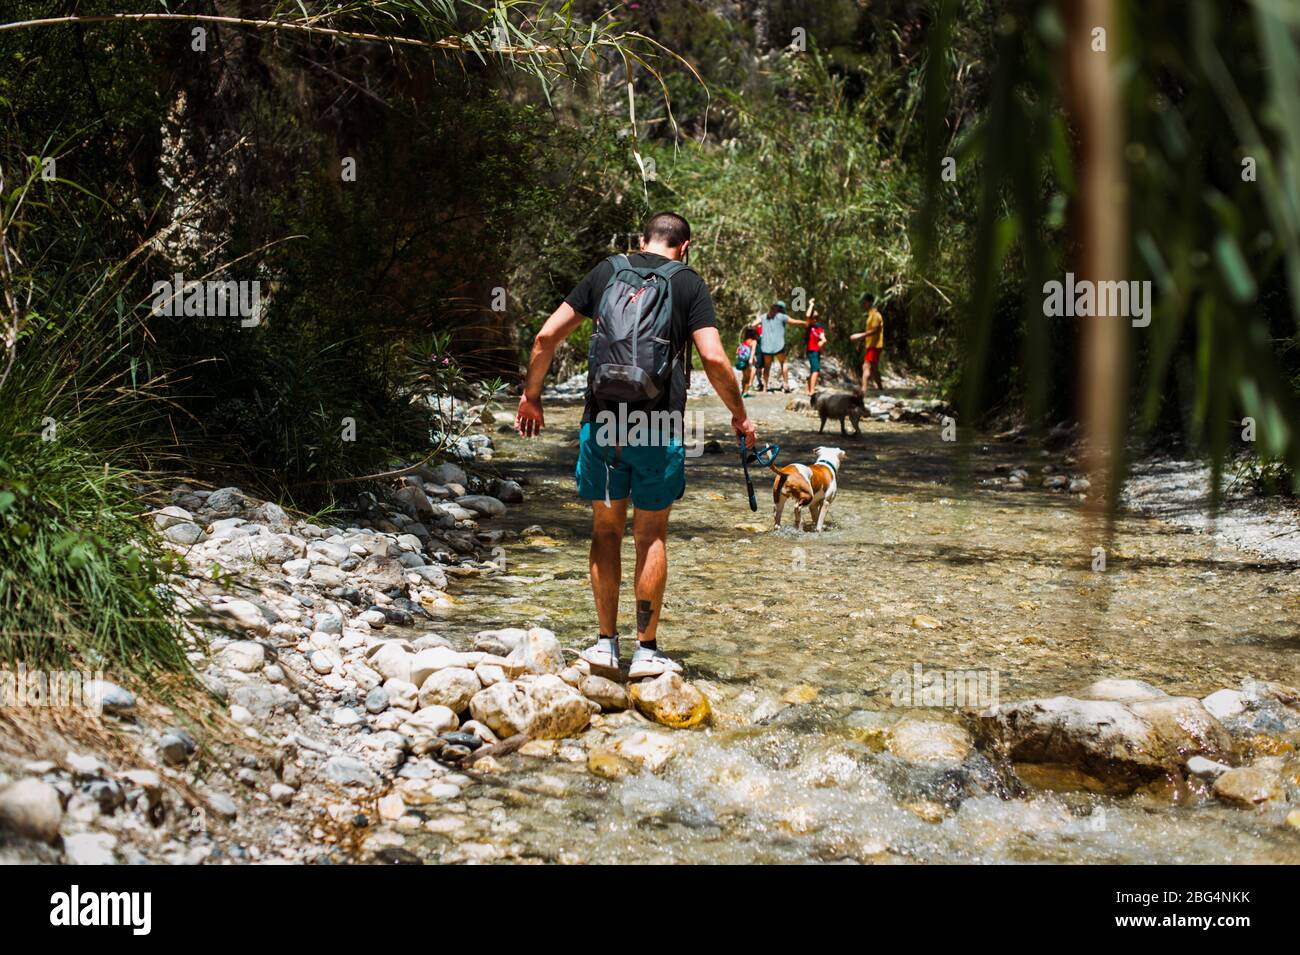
812	486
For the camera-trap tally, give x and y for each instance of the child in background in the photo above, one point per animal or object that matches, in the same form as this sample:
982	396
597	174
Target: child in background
746	357
816	339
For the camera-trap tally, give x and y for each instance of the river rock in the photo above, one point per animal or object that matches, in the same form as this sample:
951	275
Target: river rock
1251	785
610	695
538	652
430	661
392	660
646	749
32	809
1223	704
504	708
376	700
508	491
1120	743
184	534
246	656
452	687
413	501
349	771
482	504
928	741
560	709
425	726
670	700
176	746
448	473
499	642
170	516
226	502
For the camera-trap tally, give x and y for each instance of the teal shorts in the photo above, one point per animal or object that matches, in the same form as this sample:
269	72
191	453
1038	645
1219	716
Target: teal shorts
654	475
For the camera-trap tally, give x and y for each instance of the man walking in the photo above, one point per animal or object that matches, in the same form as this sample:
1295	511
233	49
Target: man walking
874	344
652	473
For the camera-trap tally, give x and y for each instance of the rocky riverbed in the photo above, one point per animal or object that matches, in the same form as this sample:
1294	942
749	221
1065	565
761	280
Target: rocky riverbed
404	687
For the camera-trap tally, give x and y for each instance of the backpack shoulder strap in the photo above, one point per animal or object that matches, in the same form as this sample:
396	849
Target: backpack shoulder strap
618	261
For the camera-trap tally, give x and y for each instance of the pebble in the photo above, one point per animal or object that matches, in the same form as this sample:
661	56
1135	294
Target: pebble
377	700
321	662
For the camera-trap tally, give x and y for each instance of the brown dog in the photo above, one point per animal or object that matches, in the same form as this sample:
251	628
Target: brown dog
812	486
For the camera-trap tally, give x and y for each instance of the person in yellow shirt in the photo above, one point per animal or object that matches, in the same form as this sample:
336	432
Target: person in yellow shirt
875	344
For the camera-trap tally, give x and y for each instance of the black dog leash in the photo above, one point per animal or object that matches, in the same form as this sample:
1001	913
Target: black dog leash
764	456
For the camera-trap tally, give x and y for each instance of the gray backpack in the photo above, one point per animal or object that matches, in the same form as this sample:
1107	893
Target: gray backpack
630	357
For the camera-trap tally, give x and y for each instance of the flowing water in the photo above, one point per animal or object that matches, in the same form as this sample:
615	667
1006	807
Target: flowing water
918	568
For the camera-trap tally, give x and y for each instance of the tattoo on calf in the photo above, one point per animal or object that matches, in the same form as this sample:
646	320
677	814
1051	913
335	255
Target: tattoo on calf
644	612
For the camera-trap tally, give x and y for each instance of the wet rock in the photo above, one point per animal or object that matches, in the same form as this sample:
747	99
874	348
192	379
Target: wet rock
448	473
927	741
32	809
645	749
482	504
508	491
1223	704
1114	742
670	700
452	687
1251	785
470	741
1208	768
538	652
504	708
1121	691
609	695
559	710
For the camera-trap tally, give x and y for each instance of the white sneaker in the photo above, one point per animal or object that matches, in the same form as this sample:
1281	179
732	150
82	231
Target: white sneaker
602	655
646	663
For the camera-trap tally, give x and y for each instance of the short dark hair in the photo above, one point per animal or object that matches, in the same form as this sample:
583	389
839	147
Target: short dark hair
867	298
667	227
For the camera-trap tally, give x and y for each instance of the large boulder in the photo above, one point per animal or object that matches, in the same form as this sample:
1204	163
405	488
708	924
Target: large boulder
482	504
1124	744
392	660
670	700
560	710
452	687
506	709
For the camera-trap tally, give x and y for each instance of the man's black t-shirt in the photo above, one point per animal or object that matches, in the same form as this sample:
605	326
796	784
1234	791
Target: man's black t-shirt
692	310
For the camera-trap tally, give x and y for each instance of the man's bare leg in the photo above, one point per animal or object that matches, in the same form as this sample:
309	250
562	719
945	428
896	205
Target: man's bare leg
875	375
607	527
650	531
767	370
866	377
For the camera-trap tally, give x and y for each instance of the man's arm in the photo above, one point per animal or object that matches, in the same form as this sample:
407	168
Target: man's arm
528	419
718	369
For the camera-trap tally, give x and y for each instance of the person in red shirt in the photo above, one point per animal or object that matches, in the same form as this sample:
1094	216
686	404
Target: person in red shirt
816	339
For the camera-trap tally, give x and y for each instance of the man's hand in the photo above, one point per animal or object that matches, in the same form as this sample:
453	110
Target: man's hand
528	419
745	427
